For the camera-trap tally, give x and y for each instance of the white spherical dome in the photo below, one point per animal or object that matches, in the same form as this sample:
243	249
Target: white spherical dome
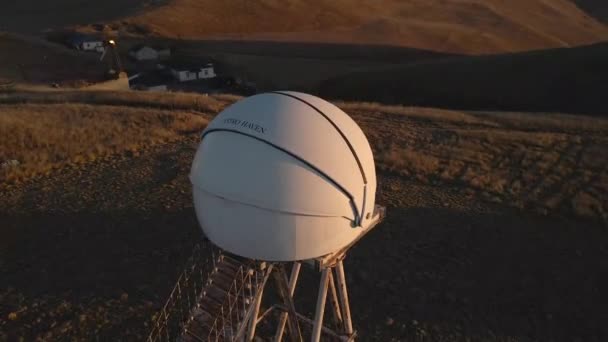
283	176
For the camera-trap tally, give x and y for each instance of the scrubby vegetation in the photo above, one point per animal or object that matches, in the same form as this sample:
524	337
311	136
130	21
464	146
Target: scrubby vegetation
106	232
173	101
39	138
549	162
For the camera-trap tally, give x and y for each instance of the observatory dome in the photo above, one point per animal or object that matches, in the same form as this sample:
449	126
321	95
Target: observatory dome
283	176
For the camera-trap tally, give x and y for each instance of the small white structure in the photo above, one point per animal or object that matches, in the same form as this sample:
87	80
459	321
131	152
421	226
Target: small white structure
146	53
184	75
86	43
96	46
284	176
207	72
191	73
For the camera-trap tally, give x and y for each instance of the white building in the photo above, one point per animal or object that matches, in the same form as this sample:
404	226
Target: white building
207	72
86	43
188	73
184	75
146	53
94	45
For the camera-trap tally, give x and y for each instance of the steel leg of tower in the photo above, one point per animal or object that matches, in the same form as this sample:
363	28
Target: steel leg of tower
292	319
293	280
343	295
335	304
250	320
253	321
325	330
332	284
321	299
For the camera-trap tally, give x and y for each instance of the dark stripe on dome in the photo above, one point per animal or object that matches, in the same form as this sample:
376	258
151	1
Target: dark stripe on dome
326	176
352	150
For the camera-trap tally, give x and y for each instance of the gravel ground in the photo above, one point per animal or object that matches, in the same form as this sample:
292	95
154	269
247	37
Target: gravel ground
91	253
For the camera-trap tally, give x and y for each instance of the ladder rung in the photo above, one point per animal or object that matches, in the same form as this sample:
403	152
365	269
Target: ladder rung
227	269
222	281
200	314
210	304
231	261
217	293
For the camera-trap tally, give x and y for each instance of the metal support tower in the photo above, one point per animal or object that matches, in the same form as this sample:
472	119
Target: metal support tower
226	307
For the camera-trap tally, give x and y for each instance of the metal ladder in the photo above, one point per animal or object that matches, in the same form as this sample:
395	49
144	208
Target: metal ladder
214	299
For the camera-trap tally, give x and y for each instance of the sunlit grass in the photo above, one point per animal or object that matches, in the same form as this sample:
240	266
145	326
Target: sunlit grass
41	138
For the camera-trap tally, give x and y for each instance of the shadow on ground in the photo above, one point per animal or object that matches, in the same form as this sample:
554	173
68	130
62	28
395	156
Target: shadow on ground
446	275
565	80
95	254
424	274
90	261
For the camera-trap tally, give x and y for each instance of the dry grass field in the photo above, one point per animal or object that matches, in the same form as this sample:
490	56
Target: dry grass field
548	162
47	137
496	227
155	100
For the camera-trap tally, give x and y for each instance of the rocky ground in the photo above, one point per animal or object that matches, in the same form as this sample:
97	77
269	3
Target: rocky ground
90	252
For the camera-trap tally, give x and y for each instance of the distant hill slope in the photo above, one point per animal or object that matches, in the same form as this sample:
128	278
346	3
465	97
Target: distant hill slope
567	80
29	16
457	26
35	61
595	8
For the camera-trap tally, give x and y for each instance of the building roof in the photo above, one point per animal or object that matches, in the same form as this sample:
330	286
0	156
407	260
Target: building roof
79	38
192	66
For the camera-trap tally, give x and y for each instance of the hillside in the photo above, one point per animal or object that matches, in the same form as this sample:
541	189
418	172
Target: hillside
566	80
595	8
484	211
35	61
457	26
32	16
